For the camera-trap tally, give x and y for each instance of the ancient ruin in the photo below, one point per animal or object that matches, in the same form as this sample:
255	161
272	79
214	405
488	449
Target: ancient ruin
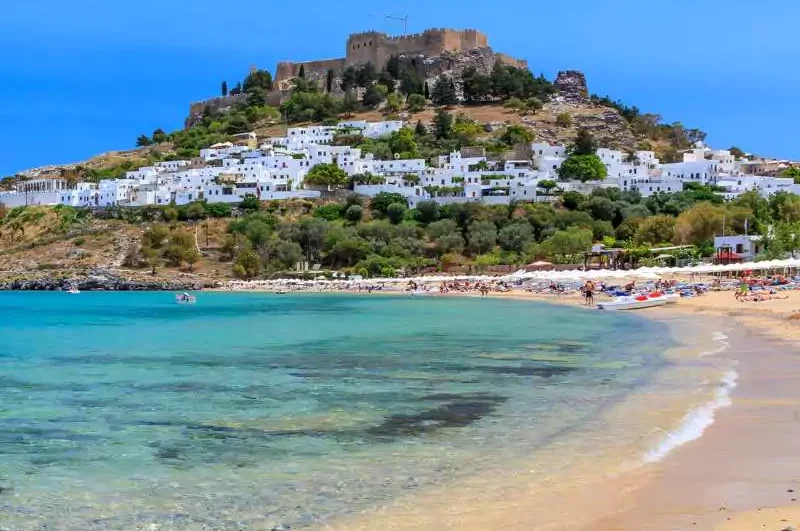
377	48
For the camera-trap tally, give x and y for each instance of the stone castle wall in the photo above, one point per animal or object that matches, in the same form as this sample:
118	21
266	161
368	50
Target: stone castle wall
219	104
433	52
314	70
376	48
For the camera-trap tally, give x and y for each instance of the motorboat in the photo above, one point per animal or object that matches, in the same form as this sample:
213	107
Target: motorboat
672	298
636	302
185	298
73	290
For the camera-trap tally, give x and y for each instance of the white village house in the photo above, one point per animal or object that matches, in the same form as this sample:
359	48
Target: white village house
277	167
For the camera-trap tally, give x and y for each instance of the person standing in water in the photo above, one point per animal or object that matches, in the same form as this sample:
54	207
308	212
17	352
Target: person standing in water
588	292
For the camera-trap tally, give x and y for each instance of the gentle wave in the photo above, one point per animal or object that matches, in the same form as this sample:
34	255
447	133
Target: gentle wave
717	337
696	421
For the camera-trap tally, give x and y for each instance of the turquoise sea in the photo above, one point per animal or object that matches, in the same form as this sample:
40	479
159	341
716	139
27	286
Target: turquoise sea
123	411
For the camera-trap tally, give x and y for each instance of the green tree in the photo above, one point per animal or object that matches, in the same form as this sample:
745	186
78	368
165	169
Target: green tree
396	212
196	211
365	75
247	265
302	73
444	91
793	172
534	104
427	212
224	88
738	153
257	78
394	102
700	223
569	242
785	207
655	230
583	168
514	104
584	143
159	136
759	206
329	212
601	208
516	134
327	174
442	124
482	236
349	103
250	203
155	237
420	129
427	92
547	185
572	200
354	213
379	205
329	81
403	143
477	88
627	229
415	102
181	249
218	210
564	120
372	96
516	236
449	243
143	140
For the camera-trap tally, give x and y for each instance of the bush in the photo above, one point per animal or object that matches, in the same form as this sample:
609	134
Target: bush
329	212
396	212
218	210
248	265
354	213
564	120
416	102
79	241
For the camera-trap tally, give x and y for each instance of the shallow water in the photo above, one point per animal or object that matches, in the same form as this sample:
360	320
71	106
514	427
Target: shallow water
248	411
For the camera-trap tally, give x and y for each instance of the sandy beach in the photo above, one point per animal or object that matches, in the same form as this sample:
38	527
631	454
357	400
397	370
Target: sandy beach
741	474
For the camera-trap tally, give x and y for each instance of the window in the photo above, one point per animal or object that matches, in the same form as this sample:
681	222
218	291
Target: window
739	248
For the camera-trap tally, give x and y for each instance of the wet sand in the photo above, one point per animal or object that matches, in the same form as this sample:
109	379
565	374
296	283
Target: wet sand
740	475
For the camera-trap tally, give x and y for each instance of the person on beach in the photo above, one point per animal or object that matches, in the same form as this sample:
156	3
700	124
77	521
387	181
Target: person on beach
588	292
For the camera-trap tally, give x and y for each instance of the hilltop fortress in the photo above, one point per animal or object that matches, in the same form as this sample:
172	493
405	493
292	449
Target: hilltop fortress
432	52
376	48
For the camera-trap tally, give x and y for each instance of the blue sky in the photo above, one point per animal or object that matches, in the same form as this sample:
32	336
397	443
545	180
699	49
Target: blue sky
81	77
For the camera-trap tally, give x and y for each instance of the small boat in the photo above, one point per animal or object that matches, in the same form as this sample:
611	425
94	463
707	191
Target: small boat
635	302
73	290
672	298
185	298
281	292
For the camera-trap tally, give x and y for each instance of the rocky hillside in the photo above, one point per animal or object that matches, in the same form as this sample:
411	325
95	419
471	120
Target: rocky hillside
567	109
61	242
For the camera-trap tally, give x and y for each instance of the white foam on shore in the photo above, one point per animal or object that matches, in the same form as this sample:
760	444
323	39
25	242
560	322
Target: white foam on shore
717	337
696	421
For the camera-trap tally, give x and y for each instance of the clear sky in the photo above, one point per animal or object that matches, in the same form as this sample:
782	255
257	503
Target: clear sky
80	77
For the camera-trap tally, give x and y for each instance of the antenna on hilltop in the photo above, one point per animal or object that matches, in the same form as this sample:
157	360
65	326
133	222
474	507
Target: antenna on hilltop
404	19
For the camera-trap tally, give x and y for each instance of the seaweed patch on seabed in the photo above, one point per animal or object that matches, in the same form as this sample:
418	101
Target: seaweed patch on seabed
455	414
542	372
